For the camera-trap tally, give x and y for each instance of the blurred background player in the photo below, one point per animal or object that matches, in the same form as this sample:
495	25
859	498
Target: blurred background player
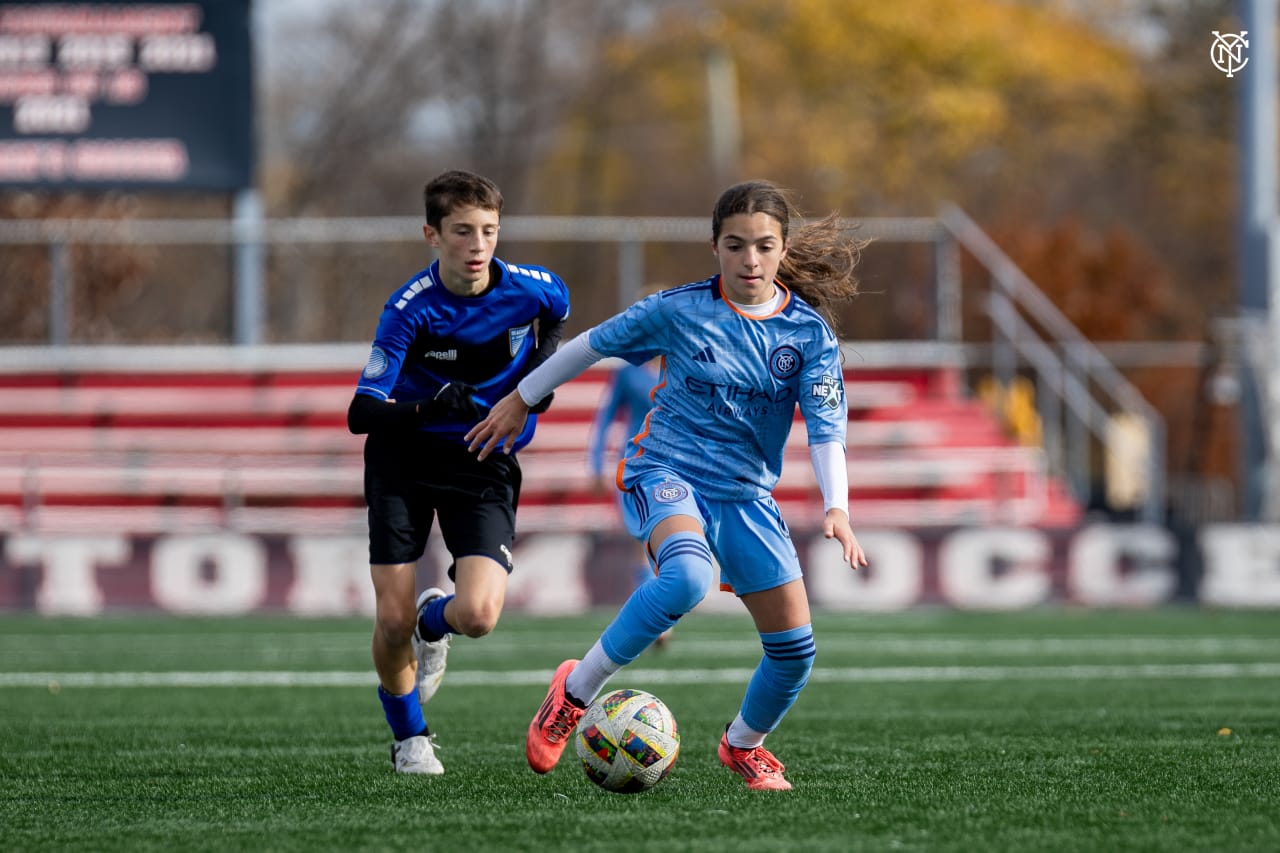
455	337
739	351
626	400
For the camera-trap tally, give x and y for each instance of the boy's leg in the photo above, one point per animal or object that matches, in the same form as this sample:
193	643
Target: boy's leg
393	589
393	659
480	590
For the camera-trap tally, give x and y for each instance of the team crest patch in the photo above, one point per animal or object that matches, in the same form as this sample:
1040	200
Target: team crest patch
377	364
828	392
785	361
669	493
517	336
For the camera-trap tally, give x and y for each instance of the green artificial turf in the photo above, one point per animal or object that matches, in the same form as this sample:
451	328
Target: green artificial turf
928	730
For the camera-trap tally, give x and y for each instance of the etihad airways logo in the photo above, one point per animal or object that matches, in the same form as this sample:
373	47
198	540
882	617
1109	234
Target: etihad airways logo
740	401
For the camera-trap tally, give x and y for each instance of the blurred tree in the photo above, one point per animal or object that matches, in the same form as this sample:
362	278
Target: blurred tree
1093	137
869	108
103	277
866	106
365	102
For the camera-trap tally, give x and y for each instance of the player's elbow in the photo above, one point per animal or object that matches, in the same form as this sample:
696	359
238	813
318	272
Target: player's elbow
357	421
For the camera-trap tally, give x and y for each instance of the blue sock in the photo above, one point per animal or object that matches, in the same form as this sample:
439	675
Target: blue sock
431	623
404	714
685	573
779	678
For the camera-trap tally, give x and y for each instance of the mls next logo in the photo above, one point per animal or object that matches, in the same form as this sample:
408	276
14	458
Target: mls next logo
828	392
1228	50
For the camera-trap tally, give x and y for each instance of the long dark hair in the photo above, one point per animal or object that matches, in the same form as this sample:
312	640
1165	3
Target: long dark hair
822	257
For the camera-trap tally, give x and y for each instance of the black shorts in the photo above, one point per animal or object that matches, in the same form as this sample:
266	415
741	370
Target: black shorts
409	479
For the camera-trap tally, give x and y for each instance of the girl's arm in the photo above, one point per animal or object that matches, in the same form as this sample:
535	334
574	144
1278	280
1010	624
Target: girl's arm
506	419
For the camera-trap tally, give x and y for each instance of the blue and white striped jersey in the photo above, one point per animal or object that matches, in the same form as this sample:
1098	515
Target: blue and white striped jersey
428	337
729	384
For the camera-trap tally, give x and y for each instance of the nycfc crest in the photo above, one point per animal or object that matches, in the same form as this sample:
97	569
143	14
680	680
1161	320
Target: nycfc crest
669	493
784	361
1227	51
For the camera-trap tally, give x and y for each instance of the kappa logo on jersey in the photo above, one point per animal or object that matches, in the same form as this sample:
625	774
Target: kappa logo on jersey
785	361
377	364
516	338
669	493
705	355
828	392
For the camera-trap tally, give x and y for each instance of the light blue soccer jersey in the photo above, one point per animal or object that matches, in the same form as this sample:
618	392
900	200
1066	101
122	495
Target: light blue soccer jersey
428	336
728	387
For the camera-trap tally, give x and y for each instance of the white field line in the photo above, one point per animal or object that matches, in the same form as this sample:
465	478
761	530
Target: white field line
521	678
283	644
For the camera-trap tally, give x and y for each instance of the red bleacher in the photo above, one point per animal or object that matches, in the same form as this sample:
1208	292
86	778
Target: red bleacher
269	450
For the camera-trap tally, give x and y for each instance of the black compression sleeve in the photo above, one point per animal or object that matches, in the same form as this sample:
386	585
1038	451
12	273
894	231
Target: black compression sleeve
369	414
549	334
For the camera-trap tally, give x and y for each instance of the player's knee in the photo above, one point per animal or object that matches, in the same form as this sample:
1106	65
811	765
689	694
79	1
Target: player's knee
395	624
683	586
685	572
474	619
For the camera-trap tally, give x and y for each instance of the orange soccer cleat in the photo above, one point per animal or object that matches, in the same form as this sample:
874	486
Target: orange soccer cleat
553	724
757	766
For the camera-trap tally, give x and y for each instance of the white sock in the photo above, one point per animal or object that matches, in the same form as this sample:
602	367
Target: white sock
743	736
590	675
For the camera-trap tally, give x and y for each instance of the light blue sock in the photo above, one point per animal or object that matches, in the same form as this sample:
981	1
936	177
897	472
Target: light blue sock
685	573
404	714
779	677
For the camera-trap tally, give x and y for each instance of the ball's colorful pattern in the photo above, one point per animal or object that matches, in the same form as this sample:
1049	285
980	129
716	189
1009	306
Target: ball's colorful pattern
627	741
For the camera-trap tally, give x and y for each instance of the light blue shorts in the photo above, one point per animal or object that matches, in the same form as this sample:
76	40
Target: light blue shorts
749	539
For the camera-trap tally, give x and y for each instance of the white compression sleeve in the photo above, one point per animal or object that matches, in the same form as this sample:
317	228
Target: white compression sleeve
833	474
566	363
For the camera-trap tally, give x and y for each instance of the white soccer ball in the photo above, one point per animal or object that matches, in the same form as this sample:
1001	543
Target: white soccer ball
628	741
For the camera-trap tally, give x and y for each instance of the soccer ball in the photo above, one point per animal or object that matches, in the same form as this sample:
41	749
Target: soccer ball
628	741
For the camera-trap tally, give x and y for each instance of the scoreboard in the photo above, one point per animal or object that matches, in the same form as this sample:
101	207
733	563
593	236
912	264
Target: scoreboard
126	95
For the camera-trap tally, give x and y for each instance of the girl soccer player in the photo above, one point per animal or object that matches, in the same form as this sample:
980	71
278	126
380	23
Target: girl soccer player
452	339
738	352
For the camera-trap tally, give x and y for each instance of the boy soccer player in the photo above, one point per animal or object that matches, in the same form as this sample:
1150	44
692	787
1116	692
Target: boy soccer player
451	341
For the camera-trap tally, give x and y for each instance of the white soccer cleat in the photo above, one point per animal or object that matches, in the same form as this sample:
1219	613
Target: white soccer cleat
431	656
416	755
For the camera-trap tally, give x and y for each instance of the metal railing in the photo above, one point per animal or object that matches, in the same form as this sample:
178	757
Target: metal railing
1078	388
1068	367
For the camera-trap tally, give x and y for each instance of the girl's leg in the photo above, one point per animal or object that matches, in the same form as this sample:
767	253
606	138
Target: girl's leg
782	618
685	574
783	621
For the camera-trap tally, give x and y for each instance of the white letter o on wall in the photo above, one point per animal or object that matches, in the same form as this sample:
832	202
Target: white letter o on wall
236	582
